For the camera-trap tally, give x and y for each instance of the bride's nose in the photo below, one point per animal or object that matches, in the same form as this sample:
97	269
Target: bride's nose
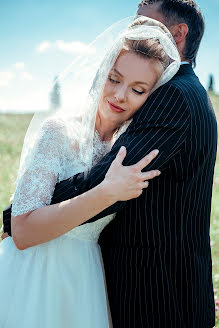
120	93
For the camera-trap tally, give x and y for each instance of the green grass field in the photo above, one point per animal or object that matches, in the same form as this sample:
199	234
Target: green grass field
12	131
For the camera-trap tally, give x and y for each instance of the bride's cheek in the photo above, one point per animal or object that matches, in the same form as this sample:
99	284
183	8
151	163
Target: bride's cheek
142	102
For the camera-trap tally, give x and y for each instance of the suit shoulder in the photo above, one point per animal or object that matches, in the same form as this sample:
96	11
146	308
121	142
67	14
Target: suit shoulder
188	89
197	98
188	84
172	94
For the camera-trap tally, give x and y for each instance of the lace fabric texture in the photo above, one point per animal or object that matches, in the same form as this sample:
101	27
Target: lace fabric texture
55	158
51	158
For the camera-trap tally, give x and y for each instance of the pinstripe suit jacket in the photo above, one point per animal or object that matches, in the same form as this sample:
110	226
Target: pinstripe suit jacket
156	251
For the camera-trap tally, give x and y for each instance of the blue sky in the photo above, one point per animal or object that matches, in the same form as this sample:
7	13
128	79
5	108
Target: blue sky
39	39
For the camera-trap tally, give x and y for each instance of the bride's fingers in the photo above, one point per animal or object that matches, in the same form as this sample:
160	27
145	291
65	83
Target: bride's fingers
4	235
146	160
150	175
120	155
145	184
141	186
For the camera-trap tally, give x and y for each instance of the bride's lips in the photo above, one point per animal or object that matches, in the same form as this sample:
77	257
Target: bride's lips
115	108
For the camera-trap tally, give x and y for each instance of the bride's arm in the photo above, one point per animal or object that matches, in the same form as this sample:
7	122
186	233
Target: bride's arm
49	222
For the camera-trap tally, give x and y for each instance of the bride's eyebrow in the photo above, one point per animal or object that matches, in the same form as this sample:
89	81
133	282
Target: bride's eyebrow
117	72
140	82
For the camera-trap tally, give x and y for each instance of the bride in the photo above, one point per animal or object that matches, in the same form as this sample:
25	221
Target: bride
53	262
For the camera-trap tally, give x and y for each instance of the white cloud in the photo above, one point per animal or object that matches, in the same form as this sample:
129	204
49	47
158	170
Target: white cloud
6	78
19	65
26	76
75	47
44	46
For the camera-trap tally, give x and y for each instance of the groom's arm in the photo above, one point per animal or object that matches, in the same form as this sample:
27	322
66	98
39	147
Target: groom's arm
162	123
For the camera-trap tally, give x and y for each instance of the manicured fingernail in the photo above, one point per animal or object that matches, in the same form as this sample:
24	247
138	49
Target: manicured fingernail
158	172
156	151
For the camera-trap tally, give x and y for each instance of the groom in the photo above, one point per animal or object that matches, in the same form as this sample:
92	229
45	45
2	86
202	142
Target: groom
156	251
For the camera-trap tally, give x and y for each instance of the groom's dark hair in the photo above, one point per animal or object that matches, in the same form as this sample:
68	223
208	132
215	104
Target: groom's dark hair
183	11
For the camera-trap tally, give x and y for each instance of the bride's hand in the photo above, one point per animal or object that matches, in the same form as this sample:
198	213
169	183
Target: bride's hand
3	234
127	182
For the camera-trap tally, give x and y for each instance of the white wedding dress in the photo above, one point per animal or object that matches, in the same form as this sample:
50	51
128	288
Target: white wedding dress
60	283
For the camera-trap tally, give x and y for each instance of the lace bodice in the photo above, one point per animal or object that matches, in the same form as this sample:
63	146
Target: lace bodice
54	158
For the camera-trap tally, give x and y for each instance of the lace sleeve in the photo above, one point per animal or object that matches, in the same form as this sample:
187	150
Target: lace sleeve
36	184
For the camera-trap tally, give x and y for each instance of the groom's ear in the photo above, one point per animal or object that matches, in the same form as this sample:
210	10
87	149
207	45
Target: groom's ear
179	32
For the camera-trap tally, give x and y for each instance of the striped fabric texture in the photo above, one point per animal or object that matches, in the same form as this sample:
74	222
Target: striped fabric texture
156	251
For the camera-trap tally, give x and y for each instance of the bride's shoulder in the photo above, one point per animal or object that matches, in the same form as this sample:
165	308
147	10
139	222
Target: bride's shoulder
59	122
61	132
53	124
51	133
55	128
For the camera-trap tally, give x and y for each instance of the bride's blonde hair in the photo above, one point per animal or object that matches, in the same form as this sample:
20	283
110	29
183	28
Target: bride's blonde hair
149	48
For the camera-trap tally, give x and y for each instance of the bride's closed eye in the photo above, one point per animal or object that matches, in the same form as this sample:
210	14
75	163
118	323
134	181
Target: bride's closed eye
138	92
112	80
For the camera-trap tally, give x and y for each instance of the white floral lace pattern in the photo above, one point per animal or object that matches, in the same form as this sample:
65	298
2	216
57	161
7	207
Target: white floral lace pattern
53	159
43	168
90	231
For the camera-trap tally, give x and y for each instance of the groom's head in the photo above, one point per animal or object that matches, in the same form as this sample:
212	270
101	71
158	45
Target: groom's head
184	20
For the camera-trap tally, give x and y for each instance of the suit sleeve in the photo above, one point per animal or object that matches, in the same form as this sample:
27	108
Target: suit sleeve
162	123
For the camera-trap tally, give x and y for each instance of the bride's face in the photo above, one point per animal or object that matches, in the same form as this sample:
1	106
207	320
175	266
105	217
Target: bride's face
128	86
